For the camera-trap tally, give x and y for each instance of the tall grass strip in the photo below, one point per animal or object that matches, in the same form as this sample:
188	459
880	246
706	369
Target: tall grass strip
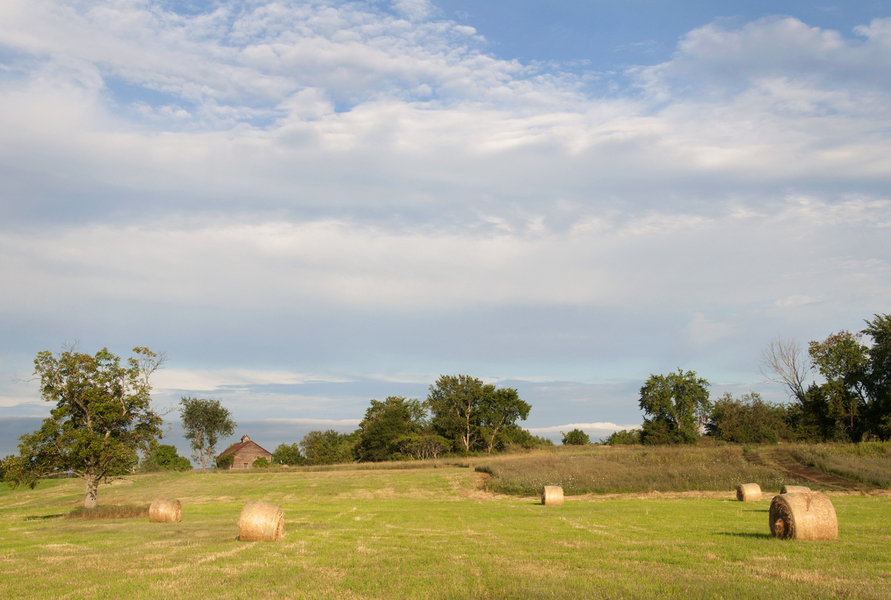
794	489
111	511
803	516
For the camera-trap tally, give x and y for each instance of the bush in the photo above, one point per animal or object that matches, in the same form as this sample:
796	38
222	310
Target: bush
288	455
328	447
517	437
576	437
623	438
164	458
748	420
261	463
224	462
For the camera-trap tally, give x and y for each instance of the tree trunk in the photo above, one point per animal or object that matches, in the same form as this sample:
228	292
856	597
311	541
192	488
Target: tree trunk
91	491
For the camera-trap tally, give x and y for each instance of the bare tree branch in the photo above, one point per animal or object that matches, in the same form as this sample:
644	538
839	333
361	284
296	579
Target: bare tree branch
786	362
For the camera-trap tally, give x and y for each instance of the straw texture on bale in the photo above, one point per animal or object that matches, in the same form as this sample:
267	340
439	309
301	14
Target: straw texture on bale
794	489
261	522
552	495
165	510
803	516
748	492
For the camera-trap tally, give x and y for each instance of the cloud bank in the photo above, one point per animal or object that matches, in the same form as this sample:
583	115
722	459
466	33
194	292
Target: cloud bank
294	194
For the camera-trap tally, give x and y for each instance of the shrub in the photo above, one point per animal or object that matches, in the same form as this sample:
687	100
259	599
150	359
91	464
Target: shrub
576	437
748	420
164	458
261	463
623	438
288	455
224	462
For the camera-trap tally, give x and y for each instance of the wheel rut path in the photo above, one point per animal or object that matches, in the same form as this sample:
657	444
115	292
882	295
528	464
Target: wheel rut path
783	460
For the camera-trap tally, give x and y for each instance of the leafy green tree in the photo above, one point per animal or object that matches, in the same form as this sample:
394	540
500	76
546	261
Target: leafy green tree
748	420
101	420
500	409
514	437
423	446
385	424
261	463
164	458
623	438
676	406
205	422
576	437
454	404
328	447
877	375
288	455
473	414
842	360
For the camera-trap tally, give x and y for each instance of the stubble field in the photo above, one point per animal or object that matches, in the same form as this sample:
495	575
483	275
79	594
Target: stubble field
430	532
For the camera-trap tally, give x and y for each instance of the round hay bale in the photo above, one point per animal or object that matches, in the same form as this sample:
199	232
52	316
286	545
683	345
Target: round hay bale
552	495
748	492
261	522
165	510
803	516
794	489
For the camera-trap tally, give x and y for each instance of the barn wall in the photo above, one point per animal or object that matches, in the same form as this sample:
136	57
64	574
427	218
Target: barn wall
245	457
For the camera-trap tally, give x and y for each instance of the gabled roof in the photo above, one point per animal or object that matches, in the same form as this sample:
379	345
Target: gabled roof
245	442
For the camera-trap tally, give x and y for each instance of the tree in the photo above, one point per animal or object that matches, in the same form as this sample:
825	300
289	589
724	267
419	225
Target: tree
328	447
841	359
623	438
576	437
877	374
204	423
785	362
677	405
385	424
287	455
165	458
454	402
101	420
473	414
500	408
748	420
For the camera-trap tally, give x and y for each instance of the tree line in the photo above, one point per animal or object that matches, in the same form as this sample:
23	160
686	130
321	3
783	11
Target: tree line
102	420
461	414
839	390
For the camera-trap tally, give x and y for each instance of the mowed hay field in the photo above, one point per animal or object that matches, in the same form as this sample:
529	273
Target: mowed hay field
430	532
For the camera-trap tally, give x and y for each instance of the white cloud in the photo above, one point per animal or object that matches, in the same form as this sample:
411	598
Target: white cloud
415	10
274	157
166	380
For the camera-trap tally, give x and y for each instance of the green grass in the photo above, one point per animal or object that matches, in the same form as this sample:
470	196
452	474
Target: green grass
426	533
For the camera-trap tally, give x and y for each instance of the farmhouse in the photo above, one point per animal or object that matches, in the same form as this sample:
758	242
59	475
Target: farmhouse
244	453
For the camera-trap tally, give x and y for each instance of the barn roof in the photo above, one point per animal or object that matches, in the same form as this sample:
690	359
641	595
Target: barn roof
245	442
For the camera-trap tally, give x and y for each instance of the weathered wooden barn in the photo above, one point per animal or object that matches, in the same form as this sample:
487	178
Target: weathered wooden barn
244	453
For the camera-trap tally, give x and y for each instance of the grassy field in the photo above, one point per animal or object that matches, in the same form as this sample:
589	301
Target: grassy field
428	533
627	469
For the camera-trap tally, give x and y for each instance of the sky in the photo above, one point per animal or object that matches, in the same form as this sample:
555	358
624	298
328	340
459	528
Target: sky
310	204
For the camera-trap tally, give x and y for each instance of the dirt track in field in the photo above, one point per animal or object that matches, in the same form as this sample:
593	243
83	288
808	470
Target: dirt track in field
782	460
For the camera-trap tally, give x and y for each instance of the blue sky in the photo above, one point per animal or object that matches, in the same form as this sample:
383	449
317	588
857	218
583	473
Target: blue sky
311	204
